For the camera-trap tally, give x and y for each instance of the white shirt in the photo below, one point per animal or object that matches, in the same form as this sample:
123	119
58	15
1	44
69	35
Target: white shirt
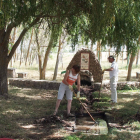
115	71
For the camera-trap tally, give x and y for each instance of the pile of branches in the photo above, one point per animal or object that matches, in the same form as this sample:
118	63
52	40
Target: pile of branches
52	119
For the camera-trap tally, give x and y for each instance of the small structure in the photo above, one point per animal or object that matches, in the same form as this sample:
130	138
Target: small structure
11	73
137	74
90	66
22	74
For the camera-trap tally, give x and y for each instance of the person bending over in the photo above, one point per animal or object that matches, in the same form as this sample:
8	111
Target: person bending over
66	86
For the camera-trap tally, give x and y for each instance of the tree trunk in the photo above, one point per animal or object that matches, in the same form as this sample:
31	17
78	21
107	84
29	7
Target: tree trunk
109	50
137	59
4	41
47	55
31	59
58	56
99	51
21	52
29	48
39	55
128	59
117	58
91	48
42	69
130	67
3	76
122	56
13	41
11	62
57	61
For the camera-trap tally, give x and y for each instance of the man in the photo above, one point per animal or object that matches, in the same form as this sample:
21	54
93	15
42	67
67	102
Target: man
113	73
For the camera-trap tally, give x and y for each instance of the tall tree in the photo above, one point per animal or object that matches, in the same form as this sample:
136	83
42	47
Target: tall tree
132	58
124	29
61	41
52	43
14	13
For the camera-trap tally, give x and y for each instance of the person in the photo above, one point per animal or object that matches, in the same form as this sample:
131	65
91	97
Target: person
113	73
66	86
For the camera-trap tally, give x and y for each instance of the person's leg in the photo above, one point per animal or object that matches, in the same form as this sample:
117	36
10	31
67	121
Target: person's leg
69	96
61	92
69	106
57	106
113	86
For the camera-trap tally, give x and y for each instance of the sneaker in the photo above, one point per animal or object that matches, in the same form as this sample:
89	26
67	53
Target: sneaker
70	115
113	103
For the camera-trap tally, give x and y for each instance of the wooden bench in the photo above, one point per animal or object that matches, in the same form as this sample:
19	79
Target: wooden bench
22	74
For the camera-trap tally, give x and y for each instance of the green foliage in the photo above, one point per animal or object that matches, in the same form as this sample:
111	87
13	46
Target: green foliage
103	101
87	137
17	11
128	87
72	137
124	30
114	22
95	94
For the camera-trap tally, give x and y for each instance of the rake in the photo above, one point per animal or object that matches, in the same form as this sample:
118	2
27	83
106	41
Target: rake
83	106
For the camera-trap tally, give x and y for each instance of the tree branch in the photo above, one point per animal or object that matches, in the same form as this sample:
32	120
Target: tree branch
20	38
7	35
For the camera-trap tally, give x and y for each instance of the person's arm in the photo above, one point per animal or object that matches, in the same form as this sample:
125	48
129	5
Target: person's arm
66	77
110	69
78	82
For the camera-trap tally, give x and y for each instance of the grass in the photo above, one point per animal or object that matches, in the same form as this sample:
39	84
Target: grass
24	106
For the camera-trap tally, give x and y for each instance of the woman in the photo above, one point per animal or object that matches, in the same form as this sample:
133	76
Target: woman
66	86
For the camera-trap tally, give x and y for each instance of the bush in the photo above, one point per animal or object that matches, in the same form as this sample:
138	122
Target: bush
127	87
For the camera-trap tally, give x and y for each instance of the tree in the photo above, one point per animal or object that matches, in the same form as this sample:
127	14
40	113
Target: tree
14	13
52	40
61	41
130	67
124	29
